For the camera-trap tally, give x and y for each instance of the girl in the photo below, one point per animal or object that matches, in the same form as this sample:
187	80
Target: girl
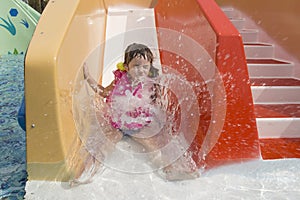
128	94
134	101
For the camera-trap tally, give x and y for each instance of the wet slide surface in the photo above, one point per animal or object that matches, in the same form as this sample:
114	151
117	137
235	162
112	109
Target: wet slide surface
251	180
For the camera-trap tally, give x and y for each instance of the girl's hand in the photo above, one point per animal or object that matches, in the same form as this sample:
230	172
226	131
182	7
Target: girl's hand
99	89
85	71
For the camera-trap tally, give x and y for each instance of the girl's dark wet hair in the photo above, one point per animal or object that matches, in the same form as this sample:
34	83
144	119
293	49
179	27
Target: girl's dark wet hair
134	50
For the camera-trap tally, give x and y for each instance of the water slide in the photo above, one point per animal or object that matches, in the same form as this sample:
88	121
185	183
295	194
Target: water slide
192	40
17	24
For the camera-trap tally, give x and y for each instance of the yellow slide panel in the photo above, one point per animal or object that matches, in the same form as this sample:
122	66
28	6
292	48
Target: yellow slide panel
63	37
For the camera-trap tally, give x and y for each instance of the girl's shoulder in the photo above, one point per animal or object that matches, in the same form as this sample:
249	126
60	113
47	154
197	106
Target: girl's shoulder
119	74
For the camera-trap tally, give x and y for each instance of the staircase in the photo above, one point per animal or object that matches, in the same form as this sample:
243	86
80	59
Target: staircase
276	94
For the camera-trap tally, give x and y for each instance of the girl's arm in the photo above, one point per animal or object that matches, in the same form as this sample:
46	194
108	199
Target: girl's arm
99	89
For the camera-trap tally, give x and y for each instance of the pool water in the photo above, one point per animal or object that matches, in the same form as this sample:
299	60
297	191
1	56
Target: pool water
13	173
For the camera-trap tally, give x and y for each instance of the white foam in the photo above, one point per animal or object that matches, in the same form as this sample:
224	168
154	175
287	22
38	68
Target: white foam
274	179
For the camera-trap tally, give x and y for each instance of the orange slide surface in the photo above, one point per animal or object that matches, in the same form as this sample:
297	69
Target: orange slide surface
204	22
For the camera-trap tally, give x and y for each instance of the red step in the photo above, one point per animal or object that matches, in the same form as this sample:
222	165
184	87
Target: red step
277	110
280	148
257	44
274	82
265	61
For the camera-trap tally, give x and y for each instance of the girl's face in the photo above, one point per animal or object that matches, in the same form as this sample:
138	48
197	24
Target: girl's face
138	68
